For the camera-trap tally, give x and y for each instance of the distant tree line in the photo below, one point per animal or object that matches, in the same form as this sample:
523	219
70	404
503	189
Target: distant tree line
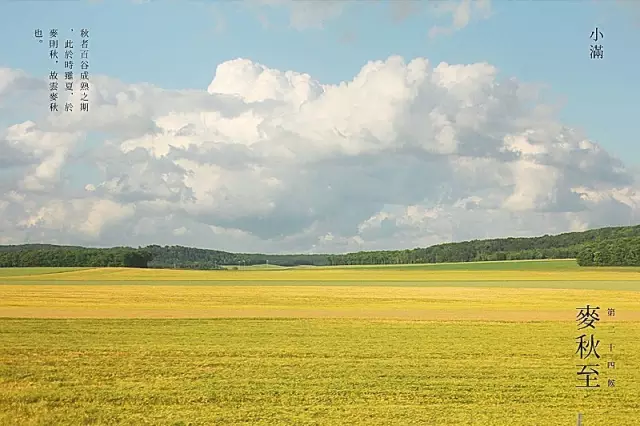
563	246
194	258
596	247
613	252
451	254
75	257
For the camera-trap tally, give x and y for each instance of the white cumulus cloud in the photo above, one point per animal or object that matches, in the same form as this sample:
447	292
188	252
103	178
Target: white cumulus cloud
404	154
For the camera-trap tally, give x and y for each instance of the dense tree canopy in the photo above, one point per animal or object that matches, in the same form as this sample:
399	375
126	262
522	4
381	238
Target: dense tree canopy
612	252
619	246
563	246
74	257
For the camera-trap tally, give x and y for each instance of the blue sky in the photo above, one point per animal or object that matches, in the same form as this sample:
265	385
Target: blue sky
179	44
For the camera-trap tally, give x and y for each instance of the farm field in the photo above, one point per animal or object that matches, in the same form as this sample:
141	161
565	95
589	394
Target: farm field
475	344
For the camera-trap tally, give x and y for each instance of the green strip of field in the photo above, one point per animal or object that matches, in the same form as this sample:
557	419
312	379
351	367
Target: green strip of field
11	272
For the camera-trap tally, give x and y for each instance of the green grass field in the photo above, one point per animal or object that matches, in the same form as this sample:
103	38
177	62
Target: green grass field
475	344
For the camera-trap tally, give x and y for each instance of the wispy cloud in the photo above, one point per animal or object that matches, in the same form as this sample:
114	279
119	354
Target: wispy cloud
314	14
462	13
307	14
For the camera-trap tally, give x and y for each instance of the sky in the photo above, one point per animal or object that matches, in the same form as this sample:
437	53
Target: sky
319	126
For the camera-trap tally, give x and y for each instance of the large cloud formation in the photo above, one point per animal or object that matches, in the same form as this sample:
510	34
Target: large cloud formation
403	155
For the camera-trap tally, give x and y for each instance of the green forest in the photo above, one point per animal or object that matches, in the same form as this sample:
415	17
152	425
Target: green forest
60	256
612	252
613	246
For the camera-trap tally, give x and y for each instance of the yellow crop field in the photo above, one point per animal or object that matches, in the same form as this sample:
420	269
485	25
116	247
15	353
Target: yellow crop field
321	346
317	301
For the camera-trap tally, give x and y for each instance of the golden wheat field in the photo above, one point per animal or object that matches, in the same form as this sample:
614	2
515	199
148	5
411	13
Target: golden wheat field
492	344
